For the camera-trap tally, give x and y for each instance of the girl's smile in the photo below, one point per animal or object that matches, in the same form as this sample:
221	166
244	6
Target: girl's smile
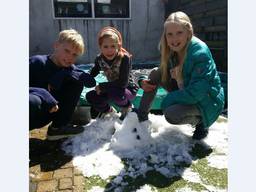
109	48
176	36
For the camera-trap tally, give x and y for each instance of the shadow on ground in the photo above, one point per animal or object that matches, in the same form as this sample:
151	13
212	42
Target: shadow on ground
156	179
47	153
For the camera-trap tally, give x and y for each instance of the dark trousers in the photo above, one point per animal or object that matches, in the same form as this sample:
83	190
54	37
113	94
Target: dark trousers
119	96
67	96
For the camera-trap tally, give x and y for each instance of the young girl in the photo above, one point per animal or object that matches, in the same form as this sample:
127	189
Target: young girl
115	62
188	72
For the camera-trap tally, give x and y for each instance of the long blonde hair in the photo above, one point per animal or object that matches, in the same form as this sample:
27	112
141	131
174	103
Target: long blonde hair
179	18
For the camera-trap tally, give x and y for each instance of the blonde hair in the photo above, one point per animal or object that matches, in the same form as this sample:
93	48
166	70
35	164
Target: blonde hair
182	19
73	37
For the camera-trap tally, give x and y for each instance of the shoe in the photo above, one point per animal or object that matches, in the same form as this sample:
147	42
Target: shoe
108	113
55	133
125	111
200	132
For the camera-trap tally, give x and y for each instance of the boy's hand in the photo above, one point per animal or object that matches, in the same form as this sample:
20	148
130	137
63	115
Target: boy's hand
147	86
54	109
97	89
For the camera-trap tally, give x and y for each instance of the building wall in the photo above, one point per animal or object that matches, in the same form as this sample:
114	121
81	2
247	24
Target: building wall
141	34
209	18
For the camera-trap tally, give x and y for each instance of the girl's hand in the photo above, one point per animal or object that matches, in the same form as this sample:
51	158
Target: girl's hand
54	109
97	89
147	86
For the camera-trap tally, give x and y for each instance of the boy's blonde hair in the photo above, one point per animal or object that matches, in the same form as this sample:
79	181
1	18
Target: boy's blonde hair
182	19
73	37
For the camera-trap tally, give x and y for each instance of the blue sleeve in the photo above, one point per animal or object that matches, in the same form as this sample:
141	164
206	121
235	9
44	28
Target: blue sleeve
45	96
74	74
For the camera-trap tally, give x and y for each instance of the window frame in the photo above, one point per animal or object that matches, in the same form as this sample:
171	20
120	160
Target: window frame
92	14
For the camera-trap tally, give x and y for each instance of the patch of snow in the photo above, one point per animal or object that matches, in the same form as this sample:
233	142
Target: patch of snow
191	176
218	161
151	145
185	189
96	189
146	188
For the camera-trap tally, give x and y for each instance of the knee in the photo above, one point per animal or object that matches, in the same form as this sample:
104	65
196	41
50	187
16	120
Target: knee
34	100
35	103
154	73
90	96
171	117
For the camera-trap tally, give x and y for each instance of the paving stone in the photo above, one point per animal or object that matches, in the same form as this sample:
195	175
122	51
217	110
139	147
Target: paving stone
67	165
62	173
77	171
65	183
78	188
78	180
35	169
32	186
47	186
38	133
42	176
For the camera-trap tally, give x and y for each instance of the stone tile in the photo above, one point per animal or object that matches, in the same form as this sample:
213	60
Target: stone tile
47	186
77	171
39	133
32	186
35	169
78	180
68	165
62	173
42	176
65	183
78	188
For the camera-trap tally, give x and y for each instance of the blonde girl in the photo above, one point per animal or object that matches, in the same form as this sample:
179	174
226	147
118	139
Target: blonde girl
188	72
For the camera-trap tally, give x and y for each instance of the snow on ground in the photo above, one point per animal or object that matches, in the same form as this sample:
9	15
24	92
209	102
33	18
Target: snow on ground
152	145
191	176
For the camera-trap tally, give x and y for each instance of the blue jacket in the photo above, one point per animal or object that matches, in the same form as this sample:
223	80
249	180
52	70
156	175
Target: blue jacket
202	85
42	71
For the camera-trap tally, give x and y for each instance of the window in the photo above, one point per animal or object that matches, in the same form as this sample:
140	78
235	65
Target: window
92	9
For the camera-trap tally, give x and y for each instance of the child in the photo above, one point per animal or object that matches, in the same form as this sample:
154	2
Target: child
55	85
188	72
115	62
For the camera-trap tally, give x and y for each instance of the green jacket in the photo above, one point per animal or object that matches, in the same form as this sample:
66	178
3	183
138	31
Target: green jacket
202	85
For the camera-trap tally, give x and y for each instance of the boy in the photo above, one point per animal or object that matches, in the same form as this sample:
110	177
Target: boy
55	85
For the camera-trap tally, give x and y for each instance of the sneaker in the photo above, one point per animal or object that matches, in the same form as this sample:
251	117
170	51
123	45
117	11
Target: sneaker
108	113
55	133
125	111
200	132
